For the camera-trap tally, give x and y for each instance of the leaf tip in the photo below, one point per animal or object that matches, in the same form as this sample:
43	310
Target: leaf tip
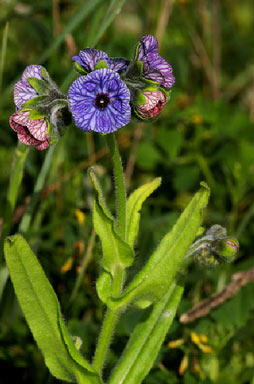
205	185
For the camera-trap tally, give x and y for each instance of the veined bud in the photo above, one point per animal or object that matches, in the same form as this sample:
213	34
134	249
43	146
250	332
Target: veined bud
155	102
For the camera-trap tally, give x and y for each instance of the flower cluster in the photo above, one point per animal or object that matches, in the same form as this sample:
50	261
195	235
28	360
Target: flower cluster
102	99
41	110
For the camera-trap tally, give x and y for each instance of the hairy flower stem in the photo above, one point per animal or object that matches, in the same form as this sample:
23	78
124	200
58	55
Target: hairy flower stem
109	323
111	316
119	183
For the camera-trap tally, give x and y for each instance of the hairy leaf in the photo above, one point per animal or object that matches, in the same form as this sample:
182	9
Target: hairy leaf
146	340
41	309
151	283
115	250
134	205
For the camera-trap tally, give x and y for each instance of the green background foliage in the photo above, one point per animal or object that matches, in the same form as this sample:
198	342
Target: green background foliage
205	133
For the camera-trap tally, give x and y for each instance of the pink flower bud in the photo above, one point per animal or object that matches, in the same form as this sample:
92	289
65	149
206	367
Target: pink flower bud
155	102
30	132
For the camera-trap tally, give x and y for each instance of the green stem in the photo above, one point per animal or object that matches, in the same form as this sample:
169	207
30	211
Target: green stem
86	259
20	156
111	316
119	183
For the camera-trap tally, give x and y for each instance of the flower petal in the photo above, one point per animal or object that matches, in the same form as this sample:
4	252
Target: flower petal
89	57
117	64
148	44
23	92
42	145
38	129
32	71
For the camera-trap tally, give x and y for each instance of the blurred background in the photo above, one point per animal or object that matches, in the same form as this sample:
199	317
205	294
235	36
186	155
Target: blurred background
206	133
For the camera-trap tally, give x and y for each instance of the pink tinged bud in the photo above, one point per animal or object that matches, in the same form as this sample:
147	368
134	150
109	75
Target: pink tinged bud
30	132
155	102
232	245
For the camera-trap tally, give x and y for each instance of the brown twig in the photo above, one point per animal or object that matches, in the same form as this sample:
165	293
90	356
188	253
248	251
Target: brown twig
202	309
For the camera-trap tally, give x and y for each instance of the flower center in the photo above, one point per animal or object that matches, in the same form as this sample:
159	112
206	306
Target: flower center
102	100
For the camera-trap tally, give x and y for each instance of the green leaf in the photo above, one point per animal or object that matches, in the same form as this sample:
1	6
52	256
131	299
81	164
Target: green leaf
151	283
35	101
40	86
101	64
42	311
116	252
134	205
146	340
79	68
103	286
36	115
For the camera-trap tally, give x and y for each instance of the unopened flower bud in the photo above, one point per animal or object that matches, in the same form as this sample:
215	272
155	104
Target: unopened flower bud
155	102
216	247
226	248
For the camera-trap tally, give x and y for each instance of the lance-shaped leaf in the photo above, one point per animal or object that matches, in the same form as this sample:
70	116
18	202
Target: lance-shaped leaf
116	252
134	205
146	340
41	86
151	283
42	312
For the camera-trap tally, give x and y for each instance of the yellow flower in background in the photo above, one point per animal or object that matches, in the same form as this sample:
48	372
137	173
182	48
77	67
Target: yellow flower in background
189	345
80	216
203	338
175	343
183	365
205	348
195	338
67	265
197	119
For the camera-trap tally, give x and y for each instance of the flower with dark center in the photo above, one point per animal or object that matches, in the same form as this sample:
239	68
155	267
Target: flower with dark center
100	101
88	58
155	67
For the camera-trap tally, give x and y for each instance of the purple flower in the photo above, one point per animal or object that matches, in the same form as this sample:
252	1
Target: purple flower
100	101
30	132
155	67
23	91
88	59
155	102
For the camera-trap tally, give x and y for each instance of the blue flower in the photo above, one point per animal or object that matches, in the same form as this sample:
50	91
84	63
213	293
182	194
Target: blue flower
100	101
23	91
155	67
88	59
